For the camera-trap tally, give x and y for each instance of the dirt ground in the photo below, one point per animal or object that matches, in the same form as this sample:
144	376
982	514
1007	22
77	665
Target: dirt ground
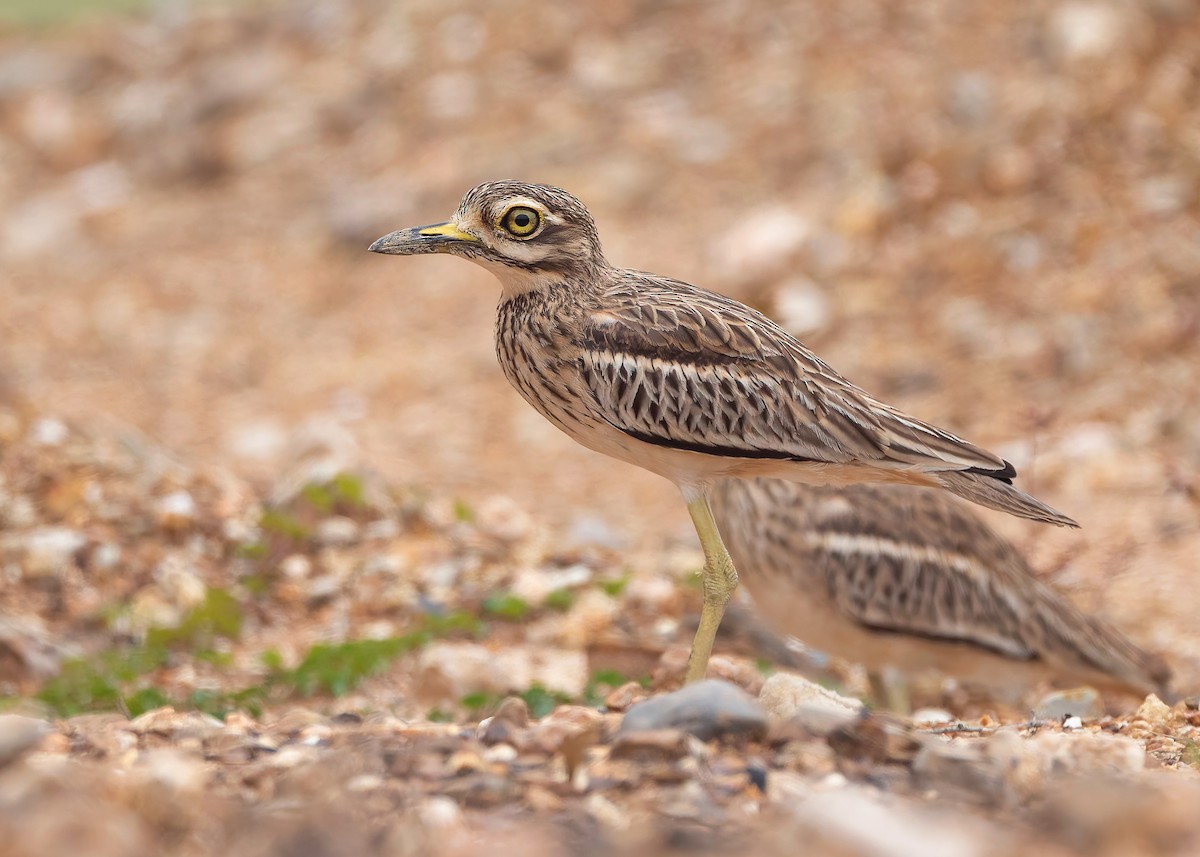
233	441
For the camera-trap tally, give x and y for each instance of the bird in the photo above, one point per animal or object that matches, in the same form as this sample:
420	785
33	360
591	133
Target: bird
906	578
682	381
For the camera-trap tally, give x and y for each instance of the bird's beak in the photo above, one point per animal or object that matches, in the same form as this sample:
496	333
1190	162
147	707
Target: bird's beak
437	238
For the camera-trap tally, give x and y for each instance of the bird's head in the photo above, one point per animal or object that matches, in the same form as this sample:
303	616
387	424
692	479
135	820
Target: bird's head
528	235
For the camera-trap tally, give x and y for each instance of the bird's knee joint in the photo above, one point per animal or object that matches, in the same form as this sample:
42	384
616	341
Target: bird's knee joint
720	579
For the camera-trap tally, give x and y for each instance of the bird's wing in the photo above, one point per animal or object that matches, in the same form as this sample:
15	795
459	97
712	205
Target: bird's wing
677	366
920	591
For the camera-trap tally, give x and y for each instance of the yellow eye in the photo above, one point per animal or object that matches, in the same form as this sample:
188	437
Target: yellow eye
521	221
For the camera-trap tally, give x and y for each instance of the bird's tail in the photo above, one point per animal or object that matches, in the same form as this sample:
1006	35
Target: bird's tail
997	494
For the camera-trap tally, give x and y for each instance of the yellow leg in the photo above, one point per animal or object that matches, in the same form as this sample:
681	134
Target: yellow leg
719	578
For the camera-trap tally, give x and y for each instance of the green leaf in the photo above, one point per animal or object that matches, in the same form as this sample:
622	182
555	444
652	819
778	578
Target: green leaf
541	701
615	586
560	599
505	605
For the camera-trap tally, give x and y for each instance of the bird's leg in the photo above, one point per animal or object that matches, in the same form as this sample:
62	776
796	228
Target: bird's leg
719	578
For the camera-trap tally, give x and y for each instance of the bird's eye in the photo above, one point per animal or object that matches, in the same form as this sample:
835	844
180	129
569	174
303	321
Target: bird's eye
521	221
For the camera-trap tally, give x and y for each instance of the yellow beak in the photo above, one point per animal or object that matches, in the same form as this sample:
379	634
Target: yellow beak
435	238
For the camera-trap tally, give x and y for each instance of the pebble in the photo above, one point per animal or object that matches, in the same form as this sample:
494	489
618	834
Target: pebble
1156	712
931	717
168	721
651	745
18	735
168	768
706	709
623	697
48	432
1087	30
337	531
176	511
49	551
785	696
441	814
1082	702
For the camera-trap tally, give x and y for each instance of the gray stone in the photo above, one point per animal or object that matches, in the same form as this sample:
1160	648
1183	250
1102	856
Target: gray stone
1082	702
706	709
18	735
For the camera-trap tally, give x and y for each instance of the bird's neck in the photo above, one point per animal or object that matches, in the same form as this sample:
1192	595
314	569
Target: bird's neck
516	281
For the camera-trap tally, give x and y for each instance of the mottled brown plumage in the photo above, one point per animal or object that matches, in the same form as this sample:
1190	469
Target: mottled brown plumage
684	382
893	576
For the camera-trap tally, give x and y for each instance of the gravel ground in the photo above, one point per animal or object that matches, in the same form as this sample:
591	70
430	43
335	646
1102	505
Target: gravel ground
277	536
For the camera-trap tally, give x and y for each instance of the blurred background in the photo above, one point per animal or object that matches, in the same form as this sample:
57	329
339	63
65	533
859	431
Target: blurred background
986	213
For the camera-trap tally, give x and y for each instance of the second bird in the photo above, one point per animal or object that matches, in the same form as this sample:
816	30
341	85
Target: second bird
682	381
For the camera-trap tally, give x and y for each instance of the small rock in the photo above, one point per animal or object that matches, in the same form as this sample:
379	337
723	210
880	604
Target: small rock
738	671
49	551
176	511
651	745
170	769
785	696
1087	30
576	725
607	813
337	530
592	614
507	725
293	756
1082	702
1088	753
296	566
441	814
1156	712
514	710
179	579
364	783
931	717
48	432
168	721
622	698
706	709
18	735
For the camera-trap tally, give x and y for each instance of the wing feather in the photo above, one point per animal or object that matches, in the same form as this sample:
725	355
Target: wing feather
675	365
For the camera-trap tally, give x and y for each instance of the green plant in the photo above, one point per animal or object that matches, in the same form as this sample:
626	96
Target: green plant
505	605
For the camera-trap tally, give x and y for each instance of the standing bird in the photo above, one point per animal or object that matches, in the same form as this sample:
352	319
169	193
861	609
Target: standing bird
896	577
684	382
